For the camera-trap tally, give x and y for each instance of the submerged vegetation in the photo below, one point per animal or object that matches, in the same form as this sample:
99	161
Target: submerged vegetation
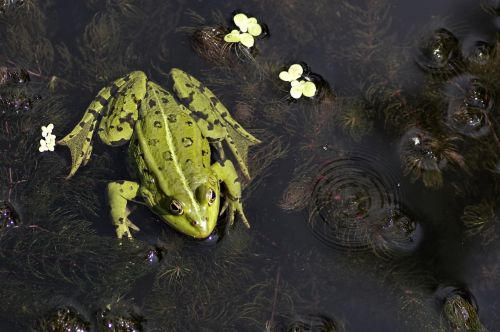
388	153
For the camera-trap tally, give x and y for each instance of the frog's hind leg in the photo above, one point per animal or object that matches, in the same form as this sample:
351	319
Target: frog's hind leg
80	138
213	118
117	126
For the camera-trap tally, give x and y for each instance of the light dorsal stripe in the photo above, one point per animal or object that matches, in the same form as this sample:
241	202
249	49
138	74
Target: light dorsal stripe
175	161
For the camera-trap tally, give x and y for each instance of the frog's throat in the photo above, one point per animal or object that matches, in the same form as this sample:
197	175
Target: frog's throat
177	168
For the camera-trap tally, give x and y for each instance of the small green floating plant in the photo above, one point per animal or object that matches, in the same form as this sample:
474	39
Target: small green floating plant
248	29
300	85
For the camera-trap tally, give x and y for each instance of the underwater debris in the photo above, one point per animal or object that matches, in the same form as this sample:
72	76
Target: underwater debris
479	52
459	309
491	6
6	5
208	42
20	103
313	322
394	232
8	215
120	318
13	77
470	101
66	319
154	256
439	53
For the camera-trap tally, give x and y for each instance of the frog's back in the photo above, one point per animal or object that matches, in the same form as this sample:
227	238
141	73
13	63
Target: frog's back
167	140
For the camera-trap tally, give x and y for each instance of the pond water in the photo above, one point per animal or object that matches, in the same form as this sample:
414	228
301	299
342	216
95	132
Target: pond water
373	204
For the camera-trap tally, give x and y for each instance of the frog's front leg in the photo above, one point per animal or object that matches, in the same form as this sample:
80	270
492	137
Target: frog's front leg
119	193
227	174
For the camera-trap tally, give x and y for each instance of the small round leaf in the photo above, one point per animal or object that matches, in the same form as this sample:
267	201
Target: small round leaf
247	39
241	21
309	89
254	29
296	91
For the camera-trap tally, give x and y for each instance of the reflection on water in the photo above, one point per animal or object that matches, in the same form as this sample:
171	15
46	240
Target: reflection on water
369	202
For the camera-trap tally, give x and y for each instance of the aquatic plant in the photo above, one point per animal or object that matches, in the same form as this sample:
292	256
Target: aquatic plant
8	215
439	53
425	156
120	315
221	45
64	319
248	29
459	309
480	219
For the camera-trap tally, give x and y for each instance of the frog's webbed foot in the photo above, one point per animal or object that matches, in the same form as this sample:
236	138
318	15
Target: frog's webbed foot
123	226
119	193
234	206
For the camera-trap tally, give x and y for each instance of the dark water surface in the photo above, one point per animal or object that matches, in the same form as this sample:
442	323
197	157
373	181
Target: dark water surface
373	205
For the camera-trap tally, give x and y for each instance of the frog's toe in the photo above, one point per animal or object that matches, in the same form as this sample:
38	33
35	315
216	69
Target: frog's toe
235	207
123	229
244	218
133	226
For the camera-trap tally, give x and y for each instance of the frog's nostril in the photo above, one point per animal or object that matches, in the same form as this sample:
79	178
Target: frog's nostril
201	225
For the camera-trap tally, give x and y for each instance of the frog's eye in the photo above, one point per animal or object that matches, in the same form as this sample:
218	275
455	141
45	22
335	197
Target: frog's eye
211	195
176	207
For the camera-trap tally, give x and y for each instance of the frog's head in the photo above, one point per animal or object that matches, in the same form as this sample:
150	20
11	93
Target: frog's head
193	212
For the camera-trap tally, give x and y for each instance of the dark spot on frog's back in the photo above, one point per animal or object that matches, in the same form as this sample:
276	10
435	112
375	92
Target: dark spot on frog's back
114	89
172	118
157	124
103	101
199	115
152	103
214	101
189	123
94	113
153	141
167	156
187	141
164	100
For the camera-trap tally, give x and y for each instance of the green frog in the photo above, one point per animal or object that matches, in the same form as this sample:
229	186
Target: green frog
176	150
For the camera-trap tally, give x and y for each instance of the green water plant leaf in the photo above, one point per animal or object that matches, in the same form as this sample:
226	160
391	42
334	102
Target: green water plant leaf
235	36
293	73
302	87
247	24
